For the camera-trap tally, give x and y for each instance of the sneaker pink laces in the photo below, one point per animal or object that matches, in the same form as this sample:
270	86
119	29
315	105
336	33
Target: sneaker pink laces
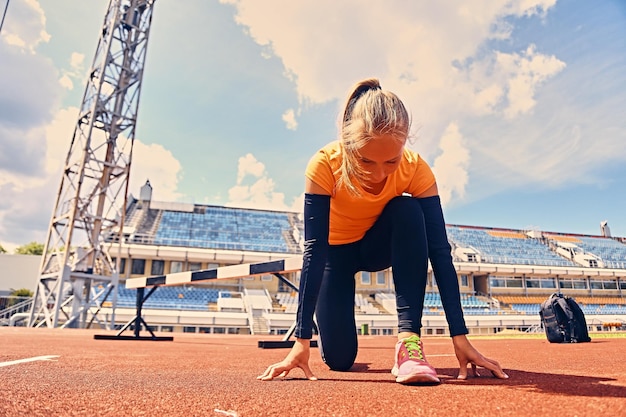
411	366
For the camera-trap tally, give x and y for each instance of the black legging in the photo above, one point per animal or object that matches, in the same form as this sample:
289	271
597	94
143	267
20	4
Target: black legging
397	240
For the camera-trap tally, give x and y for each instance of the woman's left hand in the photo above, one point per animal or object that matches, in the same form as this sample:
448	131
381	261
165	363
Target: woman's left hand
468	355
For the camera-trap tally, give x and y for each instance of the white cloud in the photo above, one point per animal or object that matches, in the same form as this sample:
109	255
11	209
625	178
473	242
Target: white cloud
29	196
446	60
505	84
150	161
35	133
24	26
155	163
29	89
76	71
530	7
259	191
289	117
298	204
393	40
525	72
442	59
486	99
248	165
450	167
66	82
57	141
29	92
413	48
77	61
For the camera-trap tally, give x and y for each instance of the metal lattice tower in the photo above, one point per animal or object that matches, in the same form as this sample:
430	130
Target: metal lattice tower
78	272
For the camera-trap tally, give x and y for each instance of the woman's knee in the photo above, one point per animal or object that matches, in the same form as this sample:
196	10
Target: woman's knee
405	208
339	364
335	322
406	214
338	357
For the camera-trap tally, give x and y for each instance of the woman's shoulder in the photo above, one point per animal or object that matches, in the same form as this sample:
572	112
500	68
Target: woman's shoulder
331	148
323	165
412	157
330	153
413	166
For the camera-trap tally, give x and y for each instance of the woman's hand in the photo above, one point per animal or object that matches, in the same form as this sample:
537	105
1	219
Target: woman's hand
467	354
297	358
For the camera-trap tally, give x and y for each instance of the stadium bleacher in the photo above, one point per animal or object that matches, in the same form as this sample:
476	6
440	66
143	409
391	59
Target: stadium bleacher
195	298
505	247
172	298
590	305
217	227
213	228
610	251
225	228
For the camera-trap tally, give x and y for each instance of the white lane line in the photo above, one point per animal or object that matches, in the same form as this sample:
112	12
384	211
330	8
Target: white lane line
36	358
226	412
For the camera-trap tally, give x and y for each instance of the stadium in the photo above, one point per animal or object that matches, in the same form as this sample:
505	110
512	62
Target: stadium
101	237
218	282
504	275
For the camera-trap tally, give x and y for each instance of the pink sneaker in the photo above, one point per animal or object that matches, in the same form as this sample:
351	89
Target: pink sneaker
411	366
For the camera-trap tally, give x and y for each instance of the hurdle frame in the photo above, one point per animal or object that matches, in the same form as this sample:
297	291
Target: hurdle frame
273	267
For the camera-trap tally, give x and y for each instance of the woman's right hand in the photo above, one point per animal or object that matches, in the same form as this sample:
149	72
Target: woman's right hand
297	358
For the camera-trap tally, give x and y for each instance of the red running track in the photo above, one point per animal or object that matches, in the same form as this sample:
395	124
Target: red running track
215	375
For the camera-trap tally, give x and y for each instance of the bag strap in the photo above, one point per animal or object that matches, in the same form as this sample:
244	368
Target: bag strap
569	315
565	307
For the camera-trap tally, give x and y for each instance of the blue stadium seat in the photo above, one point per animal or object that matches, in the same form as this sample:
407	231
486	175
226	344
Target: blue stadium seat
172	298
225	228
504	250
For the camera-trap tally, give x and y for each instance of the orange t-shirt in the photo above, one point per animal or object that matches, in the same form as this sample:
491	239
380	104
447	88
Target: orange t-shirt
352	216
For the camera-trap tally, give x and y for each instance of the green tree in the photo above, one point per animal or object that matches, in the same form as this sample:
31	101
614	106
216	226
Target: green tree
17	296
22	292
2	250
32	248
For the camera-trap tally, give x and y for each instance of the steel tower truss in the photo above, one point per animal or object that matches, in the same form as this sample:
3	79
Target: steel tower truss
79	273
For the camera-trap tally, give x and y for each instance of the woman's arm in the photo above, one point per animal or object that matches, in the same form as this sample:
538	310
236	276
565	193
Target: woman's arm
447	281
316	223
439	253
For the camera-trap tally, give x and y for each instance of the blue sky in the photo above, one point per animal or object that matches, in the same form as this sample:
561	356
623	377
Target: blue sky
519	106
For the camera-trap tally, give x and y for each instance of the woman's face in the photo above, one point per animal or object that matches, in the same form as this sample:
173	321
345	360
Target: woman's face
380	157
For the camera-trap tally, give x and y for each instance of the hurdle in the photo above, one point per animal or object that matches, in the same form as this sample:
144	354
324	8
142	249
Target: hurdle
276	267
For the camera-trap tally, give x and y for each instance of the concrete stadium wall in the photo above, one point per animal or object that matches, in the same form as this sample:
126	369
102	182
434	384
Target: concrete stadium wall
19	271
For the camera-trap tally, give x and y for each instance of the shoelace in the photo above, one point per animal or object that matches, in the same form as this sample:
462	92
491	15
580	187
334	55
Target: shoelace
412	345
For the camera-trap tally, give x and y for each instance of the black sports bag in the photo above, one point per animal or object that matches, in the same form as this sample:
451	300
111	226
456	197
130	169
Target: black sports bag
563	320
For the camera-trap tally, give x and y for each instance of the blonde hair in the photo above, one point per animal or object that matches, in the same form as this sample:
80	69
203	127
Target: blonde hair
369	112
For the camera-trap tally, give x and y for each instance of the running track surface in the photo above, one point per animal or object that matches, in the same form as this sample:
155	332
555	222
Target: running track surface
215	375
